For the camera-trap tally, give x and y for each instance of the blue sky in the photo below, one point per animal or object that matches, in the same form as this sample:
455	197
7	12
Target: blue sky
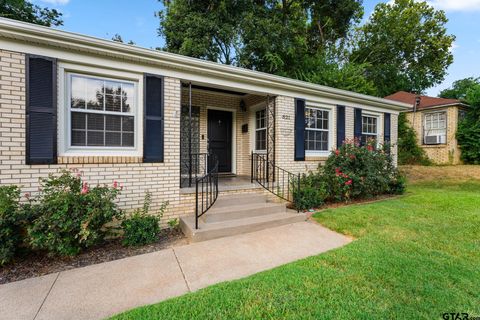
135	20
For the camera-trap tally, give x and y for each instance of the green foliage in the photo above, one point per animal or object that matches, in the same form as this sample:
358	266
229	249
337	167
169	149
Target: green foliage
312	192
468	132
459	88
24	10
70	216
409	152
141	228
173	223
406	45
9	222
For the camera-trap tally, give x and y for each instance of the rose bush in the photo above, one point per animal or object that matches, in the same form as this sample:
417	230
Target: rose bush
69	215
351	172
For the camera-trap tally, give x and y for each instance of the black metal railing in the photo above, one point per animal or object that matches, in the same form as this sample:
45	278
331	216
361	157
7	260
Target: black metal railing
280	182
206	187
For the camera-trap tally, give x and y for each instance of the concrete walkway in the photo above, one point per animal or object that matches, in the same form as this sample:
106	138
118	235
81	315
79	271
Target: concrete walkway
102	290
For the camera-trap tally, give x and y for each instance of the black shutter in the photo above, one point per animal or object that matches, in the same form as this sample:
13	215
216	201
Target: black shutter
41	110
386	127
357	124
340	125
153	119
299	129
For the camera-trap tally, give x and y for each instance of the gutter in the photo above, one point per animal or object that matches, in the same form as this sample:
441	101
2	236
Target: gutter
30	33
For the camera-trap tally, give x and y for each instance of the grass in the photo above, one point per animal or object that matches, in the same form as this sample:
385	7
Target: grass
416	256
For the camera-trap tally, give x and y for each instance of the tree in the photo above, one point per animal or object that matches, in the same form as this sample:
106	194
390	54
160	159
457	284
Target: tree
302	39
406	45
265	35
205	29
409	152
24	10
459	88
468	132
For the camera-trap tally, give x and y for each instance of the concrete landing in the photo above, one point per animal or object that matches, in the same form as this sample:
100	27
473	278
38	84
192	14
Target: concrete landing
102	290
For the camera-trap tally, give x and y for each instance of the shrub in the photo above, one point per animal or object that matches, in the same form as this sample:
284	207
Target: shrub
71	216
141	228
355	171
312	192
9	222
409	152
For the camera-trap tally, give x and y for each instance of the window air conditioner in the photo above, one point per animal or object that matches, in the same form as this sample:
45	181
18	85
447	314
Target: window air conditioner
438	139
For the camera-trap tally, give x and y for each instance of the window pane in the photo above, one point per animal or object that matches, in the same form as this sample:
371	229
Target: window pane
95	122
128	124
95	138
94	95
113	103
113	87
127	97
78	138
113	123
78	120
113	139
127	139
78	92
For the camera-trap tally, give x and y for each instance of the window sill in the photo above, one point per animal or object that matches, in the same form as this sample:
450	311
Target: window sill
98	159
440	145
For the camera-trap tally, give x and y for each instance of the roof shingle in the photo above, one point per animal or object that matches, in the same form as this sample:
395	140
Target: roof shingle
425	101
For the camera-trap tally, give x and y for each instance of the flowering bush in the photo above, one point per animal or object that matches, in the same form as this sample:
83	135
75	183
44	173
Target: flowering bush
350	172
69	215
355	171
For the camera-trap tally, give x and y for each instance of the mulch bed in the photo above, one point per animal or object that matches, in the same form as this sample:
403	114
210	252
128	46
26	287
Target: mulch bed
30	264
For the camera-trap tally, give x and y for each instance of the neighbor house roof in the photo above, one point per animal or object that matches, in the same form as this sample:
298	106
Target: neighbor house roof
16	35
426	102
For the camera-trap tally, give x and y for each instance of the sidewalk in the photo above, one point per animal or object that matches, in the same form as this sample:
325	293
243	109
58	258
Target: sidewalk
102	290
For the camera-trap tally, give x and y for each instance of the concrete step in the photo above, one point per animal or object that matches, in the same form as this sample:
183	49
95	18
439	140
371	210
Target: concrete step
227	228
239	199
242	211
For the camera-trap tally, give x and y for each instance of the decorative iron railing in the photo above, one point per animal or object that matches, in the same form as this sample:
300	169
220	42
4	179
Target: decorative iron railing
206	187
280	182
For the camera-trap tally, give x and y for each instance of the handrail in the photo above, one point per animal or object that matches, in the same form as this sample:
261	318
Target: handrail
278	181
206	188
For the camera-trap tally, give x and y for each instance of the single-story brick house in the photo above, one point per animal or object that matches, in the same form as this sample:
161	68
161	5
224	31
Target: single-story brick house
435	120
146	118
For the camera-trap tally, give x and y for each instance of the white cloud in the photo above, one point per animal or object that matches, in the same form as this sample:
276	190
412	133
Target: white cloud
456	5
454	47
56	2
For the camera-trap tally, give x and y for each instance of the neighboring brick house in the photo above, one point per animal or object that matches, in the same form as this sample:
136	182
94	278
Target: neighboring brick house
120	112
435	121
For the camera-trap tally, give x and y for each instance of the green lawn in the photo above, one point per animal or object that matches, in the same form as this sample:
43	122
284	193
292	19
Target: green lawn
416	256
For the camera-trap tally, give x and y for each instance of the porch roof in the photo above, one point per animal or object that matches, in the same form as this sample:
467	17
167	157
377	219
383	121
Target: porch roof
15	33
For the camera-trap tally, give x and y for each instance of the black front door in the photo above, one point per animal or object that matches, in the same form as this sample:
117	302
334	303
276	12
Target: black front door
220	138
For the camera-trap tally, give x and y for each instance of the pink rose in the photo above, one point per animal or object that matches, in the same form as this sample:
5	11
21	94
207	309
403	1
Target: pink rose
84	188
349	182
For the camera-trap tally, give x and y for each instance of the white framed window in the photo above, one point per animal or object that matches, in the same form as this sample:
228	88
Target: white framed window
99	111
435	127
317	130
260	130
369	128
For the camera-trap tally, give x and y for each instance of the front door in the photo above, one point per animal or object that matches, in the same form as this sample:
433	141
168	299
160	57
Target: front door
219	129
